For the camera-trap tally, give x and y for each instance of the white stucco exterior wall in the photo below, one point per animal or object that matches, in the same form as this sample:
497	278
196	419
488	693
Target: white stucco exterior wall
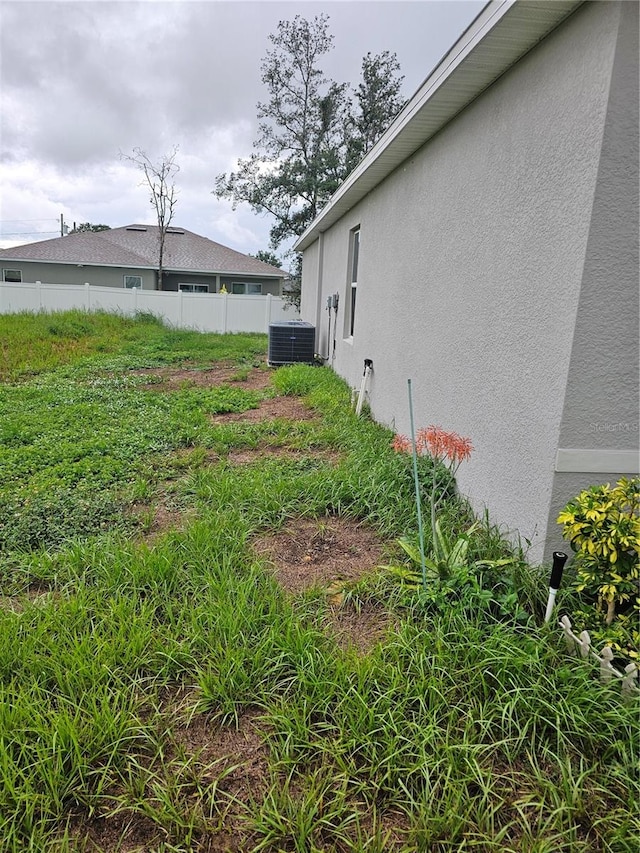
602	401
471	264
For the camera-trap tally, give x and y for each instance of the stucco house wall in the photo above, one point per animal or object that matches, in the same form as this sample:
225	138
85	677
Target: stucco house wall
485	260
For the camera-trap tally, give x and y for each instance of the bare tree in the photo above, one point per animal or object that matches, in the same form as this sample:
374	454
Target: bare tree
158	177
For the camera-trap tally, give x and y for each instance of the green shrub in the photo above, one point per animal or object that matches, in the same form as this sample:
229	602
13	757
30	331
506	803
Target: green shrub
602	525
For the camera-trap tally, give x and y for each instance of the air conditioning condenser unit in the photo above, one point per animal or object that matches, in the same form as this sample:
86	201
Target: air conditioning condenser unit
291	342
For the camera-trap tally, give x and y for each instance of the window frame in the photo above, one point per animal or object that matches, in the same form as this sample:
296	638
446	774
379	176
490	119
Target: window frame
17	272
189	287
246	285
353	267
131	286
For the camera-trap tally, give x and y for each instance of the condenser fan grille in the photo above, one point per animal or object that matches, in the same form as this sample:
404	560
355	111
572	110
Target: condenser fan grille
292	342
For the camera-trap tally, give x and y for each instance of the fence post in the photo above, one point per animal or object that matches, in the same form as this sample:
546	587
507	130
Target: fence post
225	297
268	311
606	667
135	301
581	644
87	295
39	294
181	297
629	680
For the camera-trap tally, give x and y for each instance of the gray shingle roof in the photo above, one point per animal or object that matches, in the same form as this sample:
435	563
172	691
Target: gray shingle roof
137	246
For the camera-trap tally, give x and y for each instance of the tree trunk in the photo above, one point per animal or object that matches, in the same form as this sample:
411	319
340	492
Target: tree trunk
611	611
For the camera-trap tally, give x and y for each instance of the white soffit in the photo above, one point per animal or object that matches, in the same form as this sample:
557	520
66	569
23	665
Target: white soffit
502	34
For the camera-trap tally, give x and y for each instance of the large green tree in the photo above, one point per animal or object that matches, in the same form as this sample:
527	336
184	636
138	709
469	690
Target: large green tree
378	99
311	131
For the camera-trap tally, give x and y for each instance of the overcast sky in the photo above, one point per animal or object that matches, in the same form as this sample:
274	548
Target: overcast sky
82	80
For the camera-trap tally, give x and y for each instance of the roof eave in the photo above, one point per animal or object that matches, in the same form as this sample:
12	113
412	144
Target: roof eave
76	263
148	268
183	271
503	32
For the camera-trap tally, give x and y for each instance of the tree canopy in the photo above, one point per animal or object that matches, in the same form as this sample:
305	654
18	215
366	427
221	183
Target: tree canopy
267	257
83	227
312	130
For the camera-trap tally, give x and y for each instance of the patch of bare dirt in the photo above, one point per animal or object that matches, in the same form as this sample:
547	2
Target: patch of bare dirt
237	755
126	832
36	595
391	825
287	408
234	759
155	520
224	373
240	757
360	630
248	456
308	552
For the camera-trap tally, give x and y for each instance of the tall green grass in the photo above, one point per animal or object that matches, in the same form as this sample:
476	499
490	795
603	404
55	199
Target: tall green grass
466	728
32	343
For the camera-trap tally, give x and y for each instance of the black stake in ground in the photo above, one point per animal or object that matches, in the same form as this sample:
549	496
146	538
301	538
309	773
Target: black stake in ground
559	559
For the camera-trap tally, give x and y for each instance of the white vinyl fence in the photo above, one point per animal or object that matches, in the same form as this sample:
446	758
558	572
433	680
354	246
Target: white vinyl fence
203	312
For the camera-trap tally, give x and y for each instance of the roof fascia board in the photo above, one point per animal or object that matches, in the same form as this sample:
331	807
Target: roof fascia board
388	153
150	268
236	273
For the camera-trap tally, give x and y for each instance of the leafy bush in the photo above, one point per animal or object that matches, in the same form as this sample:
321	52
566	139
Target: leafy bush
603	526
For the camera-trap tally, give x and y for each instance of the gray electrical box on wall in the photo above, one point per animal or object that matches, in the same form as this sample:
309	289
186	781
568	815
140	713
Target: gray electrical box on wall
291	342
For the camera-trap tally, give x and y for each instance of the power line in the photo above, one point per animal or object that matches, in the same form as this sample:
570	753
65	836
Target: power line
50	219
27	233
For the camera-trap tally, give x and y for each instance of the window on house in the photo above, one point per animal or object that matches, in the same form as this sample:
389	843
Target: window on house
131	281
251	289
12	275
194	288
354	255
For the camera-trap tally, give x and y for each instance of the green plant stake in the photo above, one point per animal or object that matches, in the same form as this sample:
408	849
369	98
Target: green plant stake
417	485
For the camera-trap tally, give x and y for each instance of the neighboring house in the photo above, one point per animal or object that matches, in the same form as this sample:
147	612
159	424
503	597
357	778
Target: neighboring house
487	249
128	257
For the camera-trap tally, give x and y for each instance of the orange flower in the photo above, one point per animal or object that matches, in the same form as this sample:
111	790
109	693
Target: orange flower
444	445
439	443
401	444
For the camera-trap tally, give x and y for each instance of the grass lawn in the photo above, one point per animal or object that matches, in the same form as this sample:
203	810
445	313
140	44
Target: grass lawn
201	648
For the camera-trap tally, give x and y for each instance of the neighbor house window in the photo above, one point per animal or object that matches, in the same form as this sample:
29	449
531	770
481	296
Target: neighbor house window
131	281
12	275
248	288
194	288
354	254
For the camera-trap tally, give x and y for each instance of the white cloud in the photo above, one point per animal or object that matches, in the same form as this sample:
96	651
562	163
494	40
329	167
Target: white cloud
82	81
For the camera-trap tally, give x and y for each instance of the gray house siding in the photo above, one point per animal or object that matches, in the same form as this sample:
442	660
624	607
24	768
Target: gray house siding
473	257
52	273
272	286
172	281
